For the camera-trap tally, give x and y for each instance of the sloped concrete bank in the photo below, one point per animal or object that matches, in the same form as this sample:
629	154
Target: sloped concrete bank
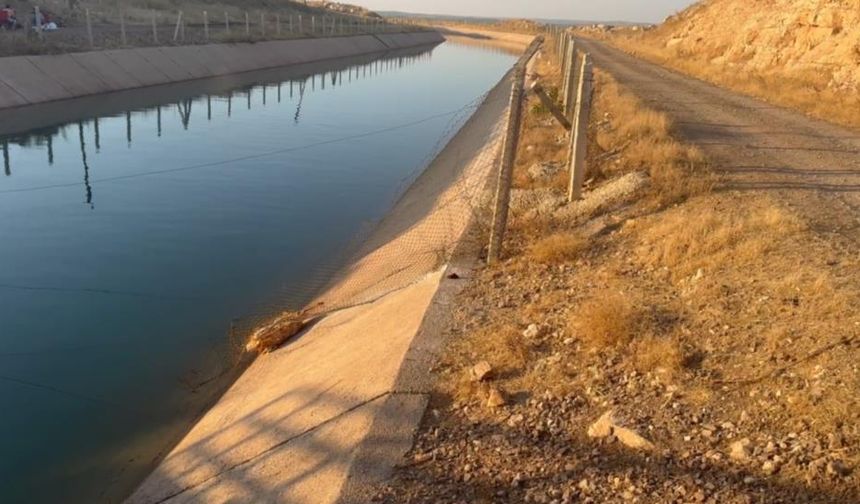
328	415
29	80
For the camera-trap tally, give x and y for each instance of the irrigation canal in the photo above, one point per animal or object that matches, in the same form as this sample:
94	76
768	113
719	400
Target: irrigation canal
143	233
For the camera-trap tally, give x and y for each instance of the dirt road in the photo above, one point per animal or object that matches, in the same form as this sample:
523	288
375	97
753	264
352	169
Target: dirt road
809	164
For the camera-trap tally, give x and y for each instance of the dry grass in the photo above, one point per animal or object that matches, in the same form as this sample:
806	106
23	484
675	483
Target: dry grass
687	240
642	139
658	354
558	248
607	319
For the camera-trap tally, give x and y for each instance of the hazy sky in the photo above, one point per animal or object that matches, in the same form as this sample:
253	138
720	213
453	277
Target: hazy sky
597	10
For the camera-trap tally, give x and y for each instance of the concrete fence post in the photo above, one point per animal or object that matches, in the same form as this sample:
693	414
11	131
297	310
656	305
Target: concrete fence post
313	25
122	33
206	25
509	154
570	80
89	28
154	28
178	26
227	22
247	25
278	25
579	138
263	24
37	22
301	26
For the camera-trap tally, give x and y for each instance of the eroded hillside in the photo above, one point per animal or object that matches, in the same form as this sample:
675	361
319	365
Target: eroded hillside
799	53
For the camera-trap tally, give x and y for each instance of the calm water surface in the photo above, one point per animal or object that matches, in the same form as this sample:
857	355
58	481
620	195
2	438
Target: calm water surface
133	245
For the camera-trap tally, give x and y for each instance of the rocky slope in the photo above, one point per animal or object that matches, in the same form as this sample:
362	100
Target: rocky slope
820	36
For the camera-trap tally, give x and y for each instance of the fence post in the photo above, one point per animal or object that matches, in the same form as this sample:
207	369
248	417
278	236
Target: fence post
262	24
154	28
227	22
570	80
122	27
38	21
313	25
89	27
278	25
579	138
247	24
301	26
178	26
206	25
509	154
291	24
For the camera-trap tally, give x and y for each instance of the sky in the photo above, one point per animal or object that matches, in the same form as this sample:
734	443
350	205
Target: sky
651	11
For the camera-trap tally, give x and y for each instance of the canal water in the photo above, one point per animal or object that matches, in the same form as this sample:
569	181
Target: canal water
142	234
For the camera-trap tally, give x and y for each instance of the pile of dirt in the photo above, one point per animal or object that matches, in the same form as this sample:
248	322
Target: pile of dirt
821	36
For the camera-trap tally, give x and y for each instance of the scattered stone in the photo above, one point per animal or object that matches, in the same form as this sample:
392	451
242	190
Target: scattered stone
532	331
741	450
602	427
481	371
770	467
605	426
495	398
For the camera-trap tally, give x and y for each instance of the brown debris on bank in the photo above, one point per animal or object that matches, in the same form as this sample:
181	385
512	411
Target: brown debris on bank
671	344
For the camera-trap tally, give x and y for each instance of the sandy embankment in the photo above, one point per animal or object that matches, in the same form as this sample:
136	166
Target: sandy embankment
514	43
339	404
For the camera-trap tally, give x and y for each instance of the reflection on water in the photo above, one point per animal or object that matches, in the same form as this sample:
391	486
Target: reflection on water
293	88
143	233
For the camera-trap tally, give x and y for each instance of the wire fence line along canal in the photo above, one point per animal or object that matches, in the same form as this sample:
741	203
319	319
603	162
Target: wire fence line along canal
114	25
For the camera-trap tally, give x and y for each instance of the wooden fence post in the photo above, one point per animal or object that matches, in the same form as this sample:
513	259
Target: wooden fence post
509	154
206	25
89	28
579	137
178	26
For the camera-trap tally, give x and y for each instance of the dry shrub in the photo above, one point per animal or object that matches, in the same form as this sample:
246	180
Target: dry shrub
558	248
608	319
658	354
502	346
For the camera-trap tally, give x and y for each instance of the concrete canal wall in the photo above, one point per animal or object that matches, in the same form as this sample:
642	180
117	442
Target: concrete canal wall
28	80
